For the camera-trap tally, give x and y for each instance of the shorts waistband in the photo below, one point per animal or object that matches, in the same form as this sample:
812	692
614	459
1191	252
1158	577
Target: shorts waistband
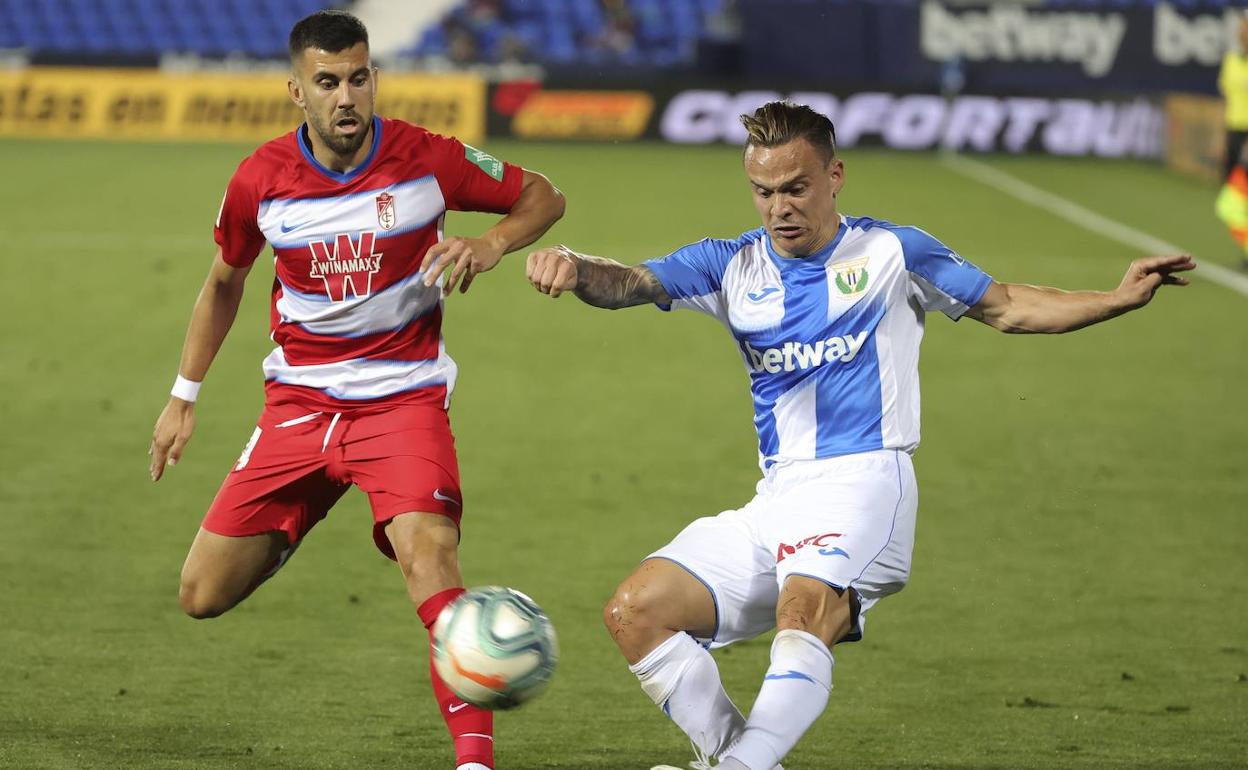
790	471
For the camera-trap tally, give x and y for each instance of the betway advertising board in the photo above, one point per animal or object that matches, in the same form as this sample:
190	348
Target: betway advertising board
1090	46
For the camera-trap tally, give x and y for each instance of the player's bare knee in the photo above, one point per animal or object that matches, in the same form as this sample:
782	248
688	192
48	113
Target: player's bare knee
424	548
429	566
201	603
628	613
615	613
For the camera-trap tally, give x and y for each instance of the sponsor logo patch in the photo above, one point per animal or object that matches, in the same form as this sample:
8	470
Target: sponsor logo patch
803	355
485	161
348	267
822	542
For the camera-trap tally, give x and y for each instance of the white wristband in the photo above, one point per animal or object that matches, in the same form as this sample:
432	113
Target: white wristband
187	390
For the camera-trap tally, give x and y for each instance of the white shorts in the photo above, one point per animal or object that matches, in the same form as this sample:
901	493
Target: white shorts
847	521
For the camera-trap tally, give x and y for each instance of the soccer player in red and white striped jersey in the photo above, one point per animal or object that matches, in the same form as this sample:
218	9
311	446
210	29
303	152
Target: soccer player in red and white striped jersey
358	386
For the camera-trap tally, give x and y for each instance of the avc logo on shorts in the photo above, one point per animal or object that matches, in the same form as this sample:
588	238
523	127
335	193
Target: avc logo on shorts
819	541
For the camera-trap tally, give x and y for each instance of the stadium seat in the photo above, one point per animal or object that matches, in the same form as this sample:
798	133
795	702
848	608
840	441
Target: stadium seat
133	27
555	31
558	44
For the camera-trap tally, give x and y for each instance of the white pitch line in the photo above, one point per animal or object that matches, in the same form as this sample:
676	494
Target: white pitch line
1088	219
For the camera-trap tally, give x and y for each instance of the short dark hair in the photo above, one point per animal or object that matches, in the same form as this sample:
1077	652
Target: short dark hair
331	31
777	123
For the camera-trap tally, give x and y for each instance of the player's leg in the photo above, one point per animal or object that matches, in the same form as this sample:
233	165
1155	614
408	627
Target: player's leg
653	618
221	571
426	549
405	460
844	543
712	582
658	600
272	497
811	616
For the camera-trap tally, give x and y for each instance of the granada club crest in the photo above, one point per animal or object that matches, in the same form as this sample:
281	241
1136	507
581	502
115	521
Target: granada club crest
385	211
851	277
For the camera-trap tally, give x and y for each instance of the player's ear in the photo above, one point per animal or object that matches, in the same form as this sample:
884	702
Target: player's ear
296	93
836	172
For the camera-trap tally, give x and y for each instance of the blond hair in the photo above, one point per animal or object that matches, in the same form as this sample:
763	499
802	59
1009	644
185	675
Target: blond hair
777	123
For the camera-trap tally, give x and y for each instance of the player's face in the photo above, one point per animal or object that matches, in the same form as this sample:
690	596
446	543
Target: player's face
795	188
336	91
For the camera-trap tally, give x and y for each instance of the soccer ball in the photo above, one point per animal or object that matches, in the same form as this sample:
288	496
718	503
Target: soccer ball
494	647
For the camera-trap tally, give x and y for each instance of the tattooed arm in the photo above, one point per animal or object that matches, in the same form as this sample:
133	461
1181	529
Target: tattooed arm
597	281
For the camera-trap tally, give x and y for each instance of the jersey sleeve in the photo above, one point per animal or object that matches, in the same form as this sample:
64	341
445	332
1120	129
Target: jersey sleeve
474	180
939	278
237	230
693	275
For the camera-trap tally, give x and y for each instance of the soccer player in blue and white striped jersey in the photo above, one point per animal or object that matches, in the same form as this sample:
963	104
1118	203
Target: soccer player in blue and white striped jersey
827	311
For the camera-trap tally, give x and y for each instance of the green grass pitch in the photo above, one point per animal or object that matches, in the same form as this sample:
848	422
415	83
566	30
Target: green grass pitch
1077	598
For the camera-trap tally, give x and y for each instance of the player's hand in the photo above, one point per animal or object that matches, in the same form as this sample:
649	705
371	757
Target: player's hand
173	429
553	270
464	257
1145	276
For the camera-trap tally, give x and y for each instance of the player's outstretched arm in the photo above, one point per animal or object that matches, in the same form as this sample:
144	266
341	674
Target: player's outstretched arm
539	206
1021	309
598	281
211	319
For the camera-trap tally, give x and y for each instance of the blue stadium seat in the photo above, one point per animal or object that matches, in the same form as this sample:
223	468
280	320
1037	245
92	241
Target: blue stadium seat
432	42
558	44
64	39
666	32
588	17
133	42
529	32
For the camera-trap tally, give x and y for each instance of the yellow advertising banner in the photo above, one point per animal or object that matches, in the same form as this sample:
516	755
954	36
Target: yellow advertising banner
219	106
599	115
1195	133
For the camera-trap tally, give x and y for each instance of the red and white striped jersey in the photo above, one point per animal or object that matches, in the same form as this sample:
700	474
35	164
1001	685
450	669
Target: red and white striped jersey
352	318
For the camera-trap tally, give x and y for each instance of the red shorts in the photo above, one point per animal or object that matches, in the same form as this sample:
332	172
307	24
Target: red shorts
300	461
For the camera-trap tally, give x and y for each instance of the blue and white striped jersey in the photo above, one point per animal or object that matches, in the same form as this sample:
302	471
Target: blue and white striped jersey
831	341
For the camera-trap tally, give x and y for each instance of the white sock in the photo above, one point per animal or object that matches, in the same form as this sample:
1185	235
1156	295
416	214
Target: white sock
794	694
472	766
681	677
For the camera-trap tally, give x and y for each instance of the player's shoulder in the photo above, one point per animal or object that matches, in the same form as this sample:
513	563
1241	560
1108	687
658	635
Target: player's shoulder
709	257
402	136
714	254
907	238
726	248
269	159
917	249
421	150
862	225
395	129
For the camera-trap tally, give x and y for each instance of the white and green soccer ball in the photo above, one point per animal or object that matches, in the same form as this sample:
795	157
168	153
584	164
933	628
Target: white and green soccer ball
494	647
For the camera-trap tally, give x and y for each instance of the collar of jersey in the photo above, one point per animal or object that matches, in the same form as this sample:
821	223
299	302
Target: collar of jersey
820	257
340	178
